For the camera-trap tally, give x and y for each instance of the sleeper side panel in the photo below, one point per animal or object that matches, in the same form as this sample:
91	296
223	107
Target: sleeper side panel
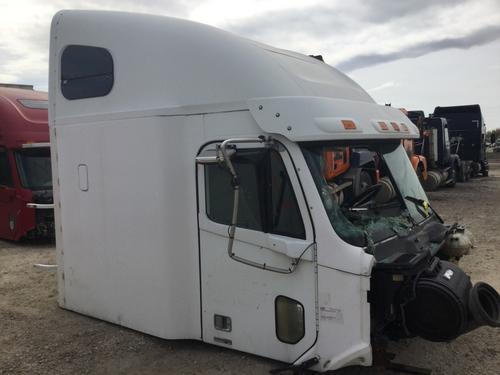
130	244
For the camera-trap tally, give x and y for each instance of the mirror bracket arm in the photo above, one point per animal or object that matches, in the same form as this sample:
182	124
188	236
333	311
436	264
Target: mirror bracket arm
267	141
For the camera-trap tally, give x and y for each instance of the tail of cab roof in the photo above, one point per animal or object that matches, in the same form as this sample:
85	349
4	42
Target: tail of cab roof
23	115
176	66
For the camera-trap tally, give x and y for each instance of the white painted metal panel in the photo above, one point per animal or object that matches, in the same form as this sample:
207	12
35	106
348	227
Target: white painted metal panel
312	118
129	241
344	320
187	64
247	294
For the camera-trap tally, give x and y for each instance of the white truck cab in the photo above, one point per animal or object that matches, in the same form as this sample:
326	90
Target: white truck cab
210	187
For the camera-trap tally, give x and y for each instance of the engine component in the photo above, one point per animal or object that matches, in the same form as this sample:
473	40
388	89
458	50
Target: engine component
484	305
386	192
458	242
337	193
445	304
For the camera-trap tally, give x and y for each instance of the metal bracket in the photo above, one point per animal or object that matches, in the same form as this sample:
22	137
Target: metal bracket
236	188
297	369
40	206
383	359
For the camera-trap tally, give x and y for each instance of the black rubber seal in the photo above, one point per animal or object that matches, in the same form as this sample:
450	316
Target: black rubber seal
484	304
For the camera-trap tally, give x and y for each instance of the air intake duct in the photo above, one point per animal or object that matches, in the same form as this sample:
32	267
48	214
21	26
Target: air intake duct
446	305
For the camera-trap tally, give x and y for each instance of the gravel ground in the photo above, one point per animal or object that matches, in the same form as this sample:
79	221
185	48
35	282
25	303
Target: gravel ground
37	337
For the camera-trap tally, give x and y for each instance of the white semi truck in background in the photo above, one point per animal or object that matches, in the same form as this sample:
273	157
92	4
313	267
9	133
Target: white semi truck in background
196	197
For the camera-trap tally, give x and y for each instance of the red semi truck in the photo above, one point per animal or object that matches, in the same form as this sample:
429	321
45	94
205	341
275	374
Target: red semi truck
26	201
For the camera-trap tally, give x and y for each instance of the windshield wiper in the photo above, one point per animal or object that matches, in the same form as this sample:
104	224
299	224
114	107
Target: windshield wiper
425	205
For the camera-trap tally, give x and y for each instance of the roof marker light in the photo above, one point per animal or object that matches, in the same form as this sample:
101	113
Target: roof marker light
383	126
395	126
348	124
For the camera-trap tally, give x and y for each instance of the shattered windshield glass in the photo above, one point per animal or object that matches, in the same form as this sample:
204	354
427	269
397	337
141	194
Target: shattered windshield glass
370	191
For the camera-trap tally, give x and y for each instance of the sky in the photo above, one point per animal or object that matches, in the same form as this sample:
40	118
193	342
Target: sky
413	54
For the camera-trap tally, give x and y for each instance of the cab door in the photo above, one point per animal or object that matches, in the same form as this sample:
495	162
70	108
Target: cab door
264	303
8	206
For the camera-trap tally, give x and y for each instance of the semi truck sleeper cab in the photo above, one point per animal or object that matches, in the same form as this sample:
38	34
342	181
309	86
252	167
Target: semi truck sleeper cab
26	204
268	206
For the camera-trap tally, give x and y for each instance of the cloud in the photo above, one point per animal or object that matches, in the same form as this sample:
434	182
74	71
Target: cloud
336	18
175	7
383	86
24	53
384	10
315	20
477	38
350	32
6	54
356	34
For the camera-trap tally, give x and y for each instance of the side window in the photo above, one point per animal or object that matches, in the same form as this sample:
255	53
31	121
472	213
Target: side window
219	191
86	72
285	215
267	201
5	172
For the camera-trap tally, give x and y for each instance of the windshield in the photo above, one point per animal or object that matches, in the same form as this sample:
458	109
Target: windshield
33	165
370	191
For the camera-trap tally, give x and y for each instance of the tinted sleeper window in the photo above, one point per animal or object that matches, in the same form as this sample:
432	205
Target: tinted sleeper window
86	72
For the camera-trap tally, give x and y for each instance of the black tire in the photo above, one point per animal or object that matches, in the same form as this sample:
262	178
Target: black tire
485	168
475	168
462	174
433	180
453	176
468	175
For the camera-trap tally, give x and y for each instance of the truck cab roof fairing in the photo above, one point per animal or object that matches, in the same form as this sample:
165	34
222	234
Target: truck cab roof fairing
24	116
187	64
313	119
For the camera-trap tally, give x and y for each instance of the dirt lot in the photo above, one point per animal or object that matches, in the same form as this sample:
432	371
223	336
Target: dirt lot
37	337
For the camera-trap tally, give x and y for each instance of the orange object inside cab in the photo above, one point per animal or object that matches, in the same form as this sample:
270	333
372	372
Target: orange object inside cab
337	162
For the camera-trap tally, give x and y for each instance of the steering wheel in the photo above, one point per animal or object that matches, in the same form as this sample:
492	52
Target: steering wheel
366	195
